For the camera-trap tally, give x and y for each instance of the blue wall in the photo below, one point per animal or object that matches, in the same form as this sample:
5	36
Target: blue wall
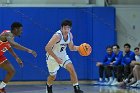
94	25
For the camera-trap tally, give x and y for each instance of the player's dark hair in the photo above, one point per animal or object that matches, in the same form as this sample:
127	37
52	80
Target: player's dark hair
109	46
116	46
128	45
15	25
136	48
66	23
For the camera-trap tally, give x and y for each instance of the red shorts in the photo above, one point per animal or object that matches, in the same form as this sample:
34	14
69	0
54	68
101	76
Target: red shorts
2	59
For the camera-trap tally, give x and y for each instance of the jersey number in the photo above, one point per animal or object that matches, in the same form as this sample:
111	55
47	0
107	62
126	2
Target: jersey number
4	49
62	48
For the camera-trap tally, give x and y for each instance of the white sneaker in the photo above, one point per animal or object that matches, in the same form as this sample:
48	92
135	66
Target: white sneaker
99	82
137	85
106	79
110	82
115	82
100	79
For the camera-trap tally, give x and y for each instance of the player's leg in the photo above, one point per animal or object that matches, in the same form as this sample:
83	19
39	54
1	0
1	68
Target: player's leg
107	75
73	76
133	80
109	72
120	71
101	72
53	67
7	66
127	71
137	75
120	74
128	81
115	81
137	70
50	81
72	72
129	78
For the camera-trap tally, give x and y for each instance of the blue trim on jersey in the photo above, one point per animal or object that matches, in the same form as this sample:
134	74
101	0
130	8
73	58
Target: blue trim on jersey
60	39
65	62
47	57
53	73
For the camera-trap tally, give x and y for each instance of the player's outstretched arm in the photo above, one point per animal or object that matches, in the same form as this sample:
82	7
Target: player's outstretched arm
71	45
16	57
20	47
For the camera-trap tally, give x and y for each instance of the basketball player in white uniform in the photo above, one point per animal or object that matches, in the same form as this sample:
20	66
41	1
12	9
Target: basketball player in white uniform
57	56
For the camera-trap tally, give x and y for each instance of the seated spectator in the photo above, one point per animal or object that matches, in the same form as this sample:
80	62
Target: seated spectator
114	65
127	59
136	69
109	57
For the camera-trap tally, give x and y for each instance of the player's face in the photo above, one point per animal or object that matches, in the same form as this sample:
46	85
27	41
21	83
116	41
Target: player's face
18	31
115	49
126	49
137	52
66	29
109	50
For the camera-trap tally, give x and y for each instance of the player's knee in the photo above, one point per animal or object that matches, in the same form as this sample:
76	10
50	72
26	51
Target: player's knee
53	77
133	71
71	70
137	67
11	72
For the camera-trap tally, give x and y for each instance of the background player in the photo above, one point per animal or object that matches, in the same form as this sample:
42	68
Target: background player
6	41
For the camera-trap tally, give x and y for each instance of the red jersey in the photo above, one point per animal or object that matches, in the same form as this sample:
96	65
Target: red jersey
4	46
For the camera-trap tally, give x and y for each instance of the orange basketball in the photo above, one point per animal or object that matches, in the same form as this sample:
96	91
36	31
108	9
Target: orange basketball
84	49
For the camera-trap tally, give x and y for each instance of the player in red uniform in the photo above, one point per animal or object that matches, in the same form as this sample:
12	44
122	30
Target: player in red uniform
6	43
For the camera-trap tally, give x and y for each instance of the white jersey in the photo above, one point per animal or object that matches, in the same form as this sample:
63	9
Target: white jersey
137	57
59	48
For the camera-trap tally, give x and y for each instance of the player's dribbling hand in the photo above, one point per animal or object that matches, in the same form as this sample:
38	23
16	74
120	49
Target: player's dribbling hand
19	62
32	52
59	61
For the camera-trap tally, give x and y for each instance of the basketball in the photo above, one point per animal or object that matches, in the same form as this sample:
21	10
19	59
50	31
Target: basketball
85	49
